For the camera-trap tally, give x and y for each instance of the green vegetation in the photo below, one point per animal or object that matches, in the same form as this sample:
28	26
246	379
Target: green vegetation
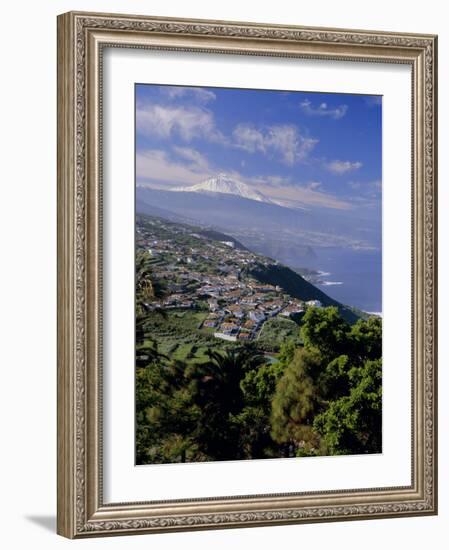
275	332
236	358
338	374
179	335
322	396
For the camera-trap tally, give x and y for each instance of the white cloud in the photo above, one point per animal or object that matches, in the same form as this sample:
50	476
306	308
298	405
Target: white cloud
302	196
373	100
199	94
323	109
156	168
372	188
277	181
248	138
343	166
313	185
186	122
282	140
285	191
196	160
354	185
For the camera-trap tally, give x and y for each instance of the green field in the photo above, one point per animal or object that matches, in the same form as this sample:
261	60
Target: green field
178	335
275	332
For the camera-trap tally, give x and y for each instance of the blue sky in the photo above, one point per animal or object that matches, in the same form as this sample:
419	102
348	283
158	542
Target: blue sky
310	150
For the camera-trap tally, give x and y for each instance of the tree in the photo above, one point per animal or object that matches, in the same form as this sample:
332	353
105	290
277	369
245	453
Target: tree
287	352
296	401
334	381
258	387
321	398
329	397
323	329
216	389
366	338
165	413
147	352
352	424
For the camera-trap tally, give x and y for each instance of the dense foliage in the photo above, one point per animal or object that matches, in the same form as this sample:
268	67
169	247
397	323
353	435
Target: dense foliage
329	399
321	395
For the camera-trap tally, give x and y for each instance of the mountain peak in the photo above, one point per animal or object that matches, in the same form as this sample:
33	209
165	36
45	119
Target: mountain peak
224	183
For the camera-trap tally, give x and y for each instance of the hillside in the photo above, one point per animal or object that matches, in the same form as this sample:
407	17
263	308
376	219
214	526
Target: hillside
298	287
221	237
240	215
206	268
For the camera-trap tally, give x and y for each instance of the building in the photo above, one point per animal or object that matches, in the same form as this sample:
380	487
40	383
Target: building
229	328
235	310
257	316
292	310
224	336
213	305
314	303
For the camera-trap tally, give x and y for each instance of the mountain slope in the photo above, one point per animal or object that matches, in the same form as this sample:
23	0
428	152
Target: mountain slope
256	266
227	185
240	215
295	285
150	210
244	211
225	210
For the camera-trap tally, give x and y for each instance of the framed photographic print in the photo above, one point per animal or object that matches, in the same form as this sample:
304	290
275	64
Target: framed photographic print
246	274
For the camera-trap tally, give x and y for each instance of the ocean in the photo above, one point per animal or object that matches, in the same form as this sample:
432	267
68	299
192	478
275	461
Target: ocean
353	277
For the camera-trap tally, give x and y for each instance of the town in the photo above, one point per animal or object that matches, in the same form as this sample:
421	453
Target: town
191	270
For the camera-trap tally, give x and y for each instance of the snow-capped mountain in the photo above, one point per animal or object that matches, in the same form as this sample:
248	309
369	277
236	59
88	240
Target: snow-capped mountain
223	183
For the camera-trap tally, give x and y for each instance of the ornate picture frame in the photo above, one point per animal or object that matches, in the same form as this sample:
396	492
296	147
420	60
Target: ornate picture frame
82	38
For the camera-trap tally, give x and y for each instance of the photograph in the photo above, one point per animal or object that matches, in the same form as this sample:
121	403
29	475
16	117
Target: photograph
247	274
223	247
258	274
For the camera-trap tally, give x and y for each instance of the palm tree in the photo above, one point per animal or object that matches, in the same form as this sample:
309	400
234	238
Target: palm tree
148	352
215	386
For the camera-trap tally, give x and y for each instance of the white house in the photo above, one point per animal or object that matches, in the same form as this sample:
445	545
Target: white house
256	316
